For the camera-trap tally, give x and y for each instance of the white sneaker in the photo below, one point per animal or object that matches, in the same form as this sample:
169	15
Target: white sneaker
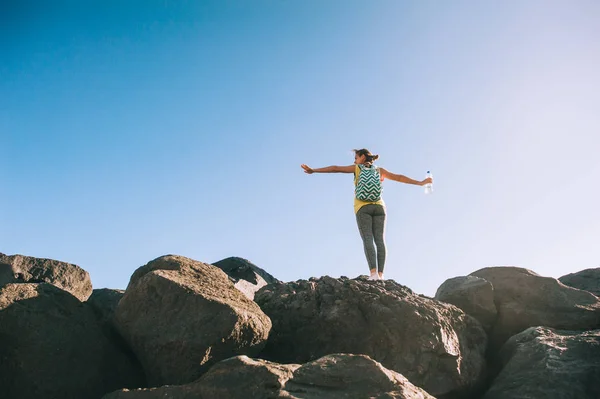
381	277
373	277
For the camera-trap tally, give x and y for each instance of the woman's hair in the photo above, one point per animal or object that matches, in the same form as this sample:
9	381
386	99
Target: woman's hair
369	157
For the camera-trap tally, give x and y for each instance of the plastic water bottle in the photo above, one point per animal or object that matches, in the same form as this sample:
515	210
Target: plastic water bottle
429	186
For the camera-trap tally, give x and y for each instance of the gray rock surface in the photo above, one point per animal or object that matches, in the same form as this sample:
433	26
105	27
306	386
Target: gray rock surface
474	295
51	346
588	280
336	376
544	363
104	302
525	299
245	275
8	274
435	345
66	276
181	316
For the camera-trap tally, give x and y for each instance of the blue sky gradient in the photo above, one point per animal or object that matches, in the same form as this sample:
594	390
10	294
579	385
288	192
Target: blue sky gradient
136	129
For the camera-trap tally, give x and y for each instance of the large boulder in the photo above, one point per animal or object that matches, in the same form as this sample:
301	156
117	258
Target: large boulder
474	295
63	275
435	345
525	299
588	280
351	376
544	363
51	346
245	275
336	376
181	316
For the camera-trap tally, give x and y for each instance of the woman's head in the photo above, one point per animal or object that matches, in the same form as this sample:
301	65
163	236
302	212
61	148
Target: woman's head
364	156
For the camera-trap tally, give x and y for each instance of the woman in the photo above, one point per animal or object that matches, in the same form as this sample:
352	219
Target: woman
368	204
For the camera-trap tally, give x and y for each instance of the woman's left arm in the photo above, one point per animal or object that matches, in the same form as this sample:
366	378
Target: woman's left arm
402	179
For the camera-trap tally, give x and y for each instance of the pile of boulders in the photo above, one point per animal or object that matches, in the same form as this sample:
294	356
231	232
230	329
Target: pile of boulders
188	329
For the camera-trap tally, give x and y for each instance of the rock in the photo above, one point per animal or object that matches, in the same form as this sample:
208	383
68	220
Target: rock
7	274
51	346
544	363
181	316
587	280
474	295
167	262
525	299
246	276
246	372
63	275
336	376
104	302
435	345
350	376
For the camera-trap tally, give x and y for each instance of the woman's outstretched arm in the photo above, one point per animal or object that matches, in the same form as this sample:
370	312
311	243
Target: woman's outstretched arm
403	179
328	169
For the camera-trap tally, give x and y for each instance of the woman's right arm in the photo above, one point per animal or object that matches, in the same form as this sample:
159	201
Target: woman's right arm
328	169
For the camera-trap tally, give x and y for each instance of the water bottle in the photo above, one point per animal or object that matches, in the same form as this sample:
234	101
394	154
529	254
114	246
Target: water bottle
429	186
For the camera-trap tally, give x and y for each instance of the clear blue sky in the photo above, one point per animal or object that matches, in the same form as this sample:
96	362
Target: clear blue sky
130	130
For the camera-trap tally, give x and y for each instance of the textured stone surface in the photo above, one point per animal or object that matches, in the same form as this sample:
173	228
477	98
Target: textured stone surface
245	275
336	376
66	276
474	295
588	280
181	316
525	299
435	345
104	302
51	346
551	364
8	274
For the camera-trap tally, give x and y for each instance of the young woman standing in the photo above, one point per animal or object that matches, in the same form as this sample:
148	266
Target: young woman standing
368	204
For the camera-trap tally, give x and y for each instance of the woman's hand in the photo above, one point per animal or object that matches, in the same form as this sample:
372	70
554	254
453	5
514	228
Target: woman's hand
307	169
426	181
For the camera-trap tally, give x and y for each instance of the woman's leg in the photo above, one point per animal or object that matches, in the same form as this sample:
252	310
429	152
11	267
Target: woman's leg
365	227
379	237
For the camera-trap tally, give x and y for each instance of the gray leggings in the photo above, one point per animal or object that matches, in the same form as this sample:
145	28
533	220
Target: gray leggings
371	225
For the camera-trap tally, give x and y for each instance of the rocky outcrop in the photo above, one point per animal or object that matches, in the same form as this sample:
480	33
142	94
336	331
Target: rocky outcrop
66	276
51	346
525	299
192	330
587	280
245	275
181	316
474	295
545	363
333	376
435	345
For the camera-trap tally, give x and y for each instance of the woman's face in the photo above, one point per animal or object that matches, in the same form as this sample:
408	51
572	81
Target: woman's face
359	159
